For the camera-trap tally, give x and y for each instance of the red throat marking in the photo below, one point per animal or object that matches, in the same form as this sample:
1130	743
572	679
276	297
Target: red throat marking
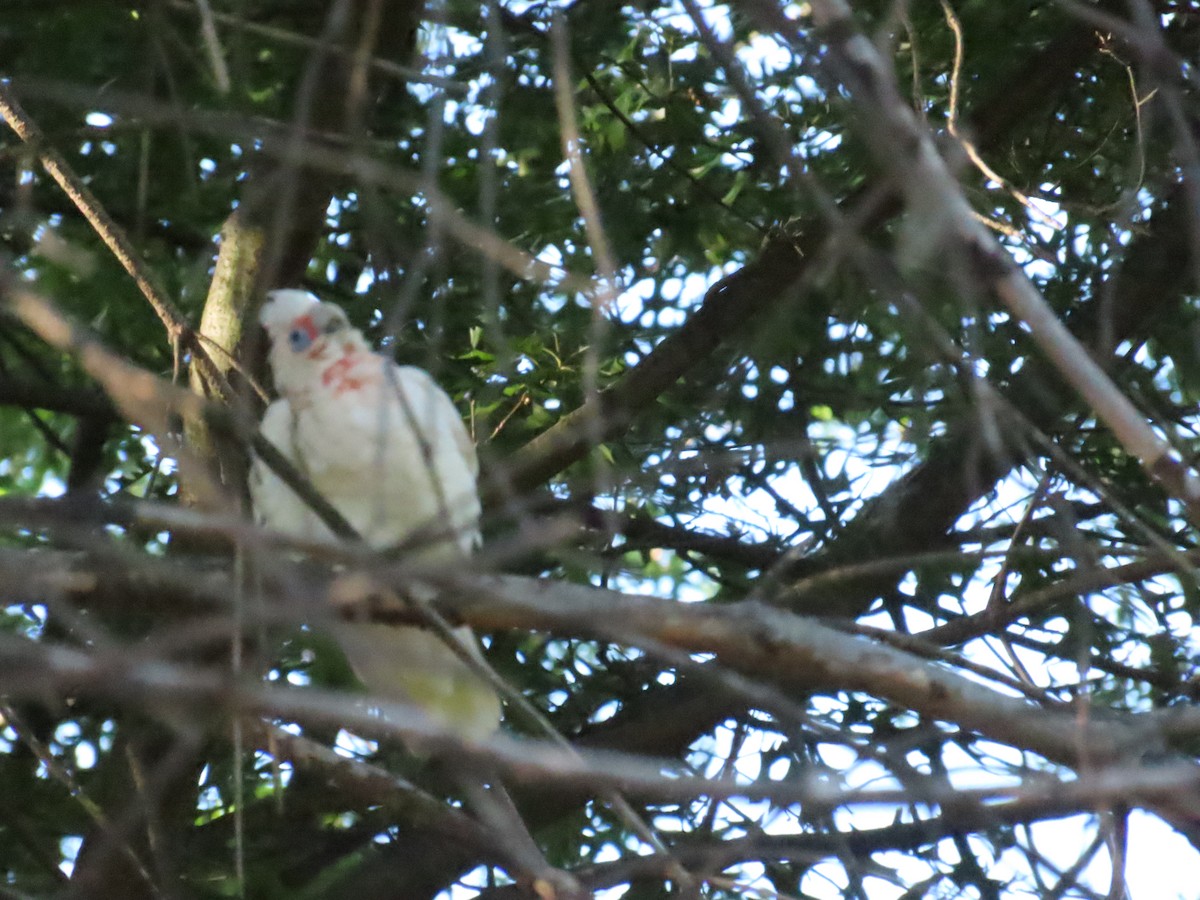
337	375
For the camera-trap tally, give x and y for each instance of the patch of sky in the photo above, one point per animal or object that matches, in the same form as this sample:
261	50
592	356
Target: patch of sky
673	15
1182	624
754	513
605	712
629	304
338	205
351	746
461	44
296	677
68	850
209	799
476	120
51	486
686	53
366	278
1063	855
763	56
828	881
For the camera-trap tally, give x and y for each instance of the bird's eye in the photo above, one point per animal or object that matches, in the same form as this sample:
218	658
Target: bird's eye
299	340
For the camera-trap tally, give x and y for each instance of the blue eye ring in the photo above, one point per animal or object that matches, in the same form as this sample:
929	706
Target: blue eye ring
299	339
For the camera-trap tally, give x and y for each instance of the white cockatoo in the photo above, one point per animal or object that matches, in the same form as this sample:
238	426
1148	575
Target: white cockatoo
387	448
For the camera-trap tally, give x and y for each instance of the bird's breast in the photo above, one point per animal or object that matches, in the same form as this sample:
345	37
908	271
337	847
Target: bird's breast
352	372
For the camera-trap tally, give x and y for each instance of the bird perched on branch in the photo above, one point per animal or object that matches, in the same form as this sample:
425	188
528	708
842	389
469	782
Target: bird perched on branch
386	447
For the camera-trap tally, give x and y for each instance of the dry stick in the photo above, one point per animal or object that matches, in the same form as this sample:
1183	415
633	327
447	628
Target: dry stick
438	624
977	624
72	185
581	186
969	145
904	146
777	646
147	400
998	599
216	59
32	668
594	426
919	646
781	647
365	784
292	38
1158	678
727	304
427	258
60	771
589	209
180	333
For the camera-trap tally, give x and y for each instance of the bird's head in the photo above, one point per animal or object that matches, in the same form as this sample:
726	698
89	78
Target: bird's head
306	335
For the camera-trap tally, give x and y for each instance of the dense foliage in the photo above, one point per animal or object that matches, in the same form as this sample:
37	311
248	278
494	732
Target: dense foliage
812	549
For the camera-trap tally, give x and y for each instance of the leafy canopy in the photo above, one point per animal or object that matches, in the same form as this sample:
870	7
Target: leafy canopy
724	294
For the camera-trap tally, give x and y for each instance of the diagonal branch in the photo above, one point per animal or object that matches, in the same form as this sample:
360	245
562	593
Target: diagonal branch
112	234
742	296
728	305
904	146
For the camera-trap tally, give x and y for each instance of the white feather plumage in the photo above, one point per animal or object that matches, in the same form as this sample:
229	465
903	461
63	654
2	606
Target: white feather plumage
386	447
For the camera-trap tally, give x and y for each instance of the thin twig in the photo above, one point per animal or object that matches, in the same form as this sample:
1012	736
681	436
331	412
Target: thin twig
34	668
283	36
936	195
968	145
108	230
212	44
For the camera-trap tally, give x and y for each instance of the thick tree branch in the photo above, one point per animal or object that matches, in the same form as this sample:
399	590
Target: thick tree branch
770	645
905	147
735	302
32	667
913	514
728	305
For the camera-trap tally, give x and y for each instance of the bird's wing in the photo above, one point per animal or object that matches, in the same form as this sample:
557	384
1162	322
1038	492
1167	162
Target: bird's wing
443	414
275	504
454	468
